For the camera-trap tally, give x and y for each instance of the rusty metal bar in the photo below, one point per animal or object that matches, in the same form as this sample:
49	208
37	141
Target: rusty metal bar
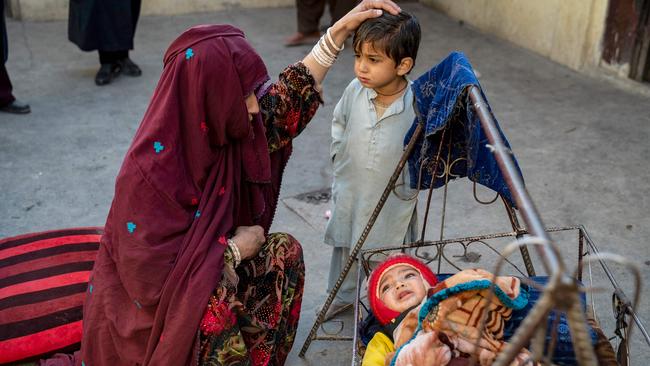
333	338
515	183
512	215
617	288
581	253
357	314
549	254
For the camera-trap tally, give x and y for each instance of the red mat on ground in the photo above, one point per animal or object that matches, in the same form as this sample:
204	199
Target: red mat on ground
43	284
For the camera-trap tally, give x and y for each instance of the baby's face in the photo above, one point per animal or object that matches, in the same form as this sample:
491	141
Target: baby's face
401	287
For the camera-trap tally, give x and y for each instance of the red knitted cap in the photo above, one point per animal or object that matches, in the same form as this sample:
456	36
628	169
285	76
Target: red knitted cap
381	311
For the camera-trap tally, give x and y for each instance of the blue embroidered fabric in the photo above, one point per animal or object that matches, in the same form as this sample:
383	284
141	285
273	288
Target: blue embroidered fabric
441	100
563	353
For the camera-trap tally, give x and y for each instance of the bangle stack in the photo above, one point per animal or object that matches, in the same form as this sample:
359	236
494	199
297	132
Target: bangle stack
235	252
325	51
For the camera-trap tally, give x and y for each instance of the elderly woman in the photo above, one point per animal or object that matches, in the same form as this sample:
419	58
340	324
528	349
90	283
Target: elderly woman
186	273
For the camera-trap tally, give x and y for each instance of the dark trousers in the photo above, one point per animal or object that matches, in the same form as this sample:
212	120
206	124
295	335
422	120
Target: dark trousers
5	86
310	12
111	57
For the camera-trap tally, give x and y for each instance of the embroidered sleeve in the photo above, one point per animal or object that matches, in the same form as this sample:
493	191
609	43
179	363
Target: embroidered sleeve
229	258
289	105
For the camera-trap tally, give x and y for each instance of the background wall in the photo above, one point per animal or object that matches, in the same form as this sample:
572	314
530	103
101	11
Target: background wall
58	9
568	32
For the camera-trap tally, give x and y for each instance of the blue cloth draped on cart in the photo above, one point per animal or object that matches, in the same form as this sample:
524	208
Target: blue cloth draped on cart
440	99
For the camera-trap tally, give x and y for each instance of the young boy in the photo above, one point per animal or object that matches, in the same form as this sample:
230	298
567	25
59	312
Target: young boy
368	129
397	289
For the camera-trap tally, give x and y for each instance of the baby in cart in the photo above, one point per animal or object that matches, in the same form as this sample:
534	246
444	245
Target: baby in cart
402	290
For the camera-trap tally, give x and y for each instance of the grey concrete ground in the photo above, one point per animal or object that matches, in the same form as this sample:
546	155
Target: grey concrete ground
581	142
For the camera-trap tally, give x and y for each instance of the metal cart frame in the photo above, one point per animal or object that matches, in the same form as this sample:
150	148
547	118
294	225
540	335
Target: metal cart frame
561	285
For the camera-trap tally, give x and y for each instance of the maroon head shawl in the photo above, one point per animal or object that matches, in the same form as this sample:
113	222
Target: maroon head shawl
196	170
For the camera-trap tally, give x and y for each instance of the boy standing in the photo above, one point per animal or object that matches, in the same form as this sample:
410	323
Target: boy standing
368	129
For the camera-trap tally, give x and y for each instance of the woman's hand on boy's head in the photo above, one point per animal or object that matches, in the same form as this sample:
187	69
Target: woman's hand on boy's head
365	10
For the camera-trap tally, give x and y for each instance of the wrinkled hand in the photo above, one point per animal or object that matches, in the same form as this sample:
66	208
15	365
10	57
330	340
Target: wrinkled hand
249	240
365	10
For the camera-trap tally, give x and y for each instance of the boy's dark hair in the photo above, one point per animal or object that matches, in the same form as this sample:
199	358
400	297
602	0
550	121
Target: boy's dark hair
398	36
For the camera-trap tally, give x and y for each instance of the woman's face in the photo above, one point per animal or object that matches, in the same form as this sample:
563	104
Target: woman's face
252	106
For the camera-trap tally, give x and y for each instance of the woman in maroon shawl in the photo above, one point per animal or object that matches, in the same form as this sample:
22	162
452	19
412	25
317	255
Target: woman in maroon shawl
204	169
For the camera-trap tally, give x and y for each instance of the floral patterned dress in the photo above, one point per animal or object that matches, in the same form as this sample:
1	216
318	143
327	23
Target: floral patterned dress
253	313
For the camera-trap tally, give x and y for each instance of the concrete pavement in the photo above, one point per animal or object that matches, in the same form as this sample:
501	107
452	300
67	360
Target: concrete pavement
579	140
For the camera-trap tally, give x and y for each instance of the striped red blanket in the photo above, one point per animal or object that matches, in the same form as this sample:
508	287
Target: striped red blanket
43	283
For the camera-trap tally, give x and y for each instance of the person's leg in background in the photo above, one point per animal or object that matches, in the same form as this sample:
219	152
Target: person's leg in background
114	63
309	13
129	67
338	8
109	66
8	102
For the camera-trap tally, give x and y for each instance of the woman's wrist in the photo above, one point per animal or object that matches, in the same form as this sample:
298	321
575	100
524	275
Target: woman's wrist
326	50
339	33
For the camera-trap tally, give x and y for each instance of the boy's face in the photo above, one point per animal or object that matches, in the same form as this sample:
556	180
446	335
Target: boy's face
373	68
401	287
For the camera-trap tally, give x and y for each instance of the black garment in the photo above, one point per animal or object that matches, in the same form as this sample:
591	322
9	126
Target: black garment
310	12
111	57
6	96
104	25
3	36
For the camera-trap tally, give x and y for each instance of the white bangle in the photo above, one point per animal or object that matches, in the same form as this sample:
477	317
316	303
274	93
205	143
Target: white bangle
328	49
315	52
322	56
235	251
329	38
318	55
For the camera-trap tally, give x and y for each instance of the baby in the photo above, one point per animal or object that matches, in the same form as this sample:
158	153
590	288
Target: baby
402	285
